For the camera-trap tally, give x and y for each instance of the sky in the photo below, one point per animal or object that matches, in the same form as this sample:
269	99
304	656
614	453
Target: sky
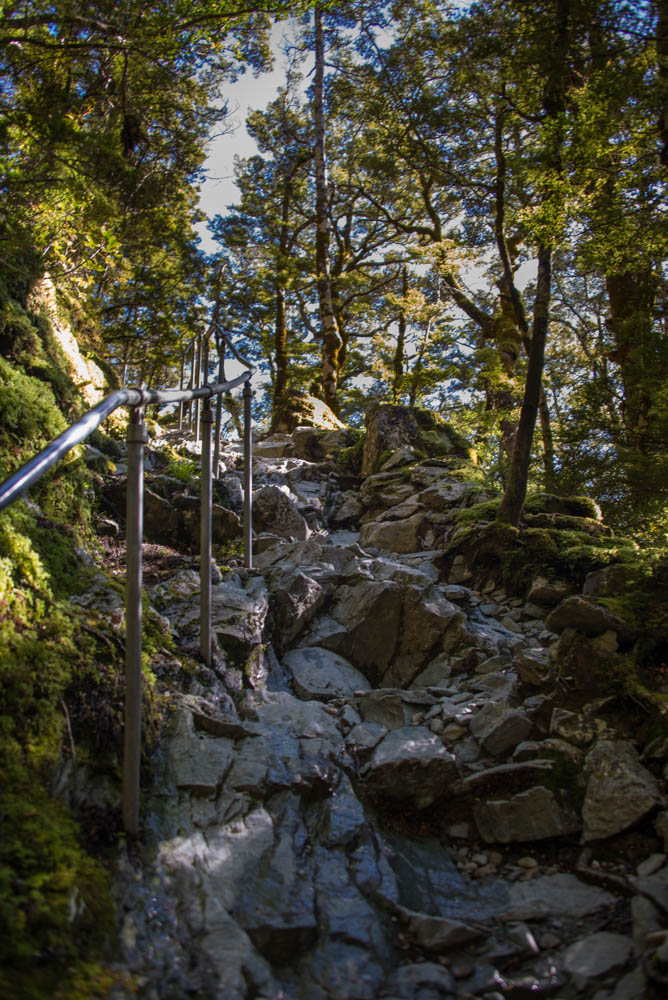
249	93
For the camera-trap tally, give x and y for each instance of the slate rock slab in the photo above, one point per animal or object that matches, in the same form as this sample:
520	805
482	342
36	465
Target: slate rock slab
598	955
561	895
620	791
321	674
499	728
198	762
534	814
411	764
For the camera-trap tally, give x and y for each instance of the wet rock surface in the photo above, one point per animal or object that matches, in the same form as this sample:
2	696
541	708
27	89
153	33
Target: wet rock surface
381	788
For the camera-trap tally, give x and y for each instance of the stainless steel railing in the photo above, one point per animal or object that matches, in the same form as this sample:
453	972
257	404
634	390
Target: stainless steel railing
138	399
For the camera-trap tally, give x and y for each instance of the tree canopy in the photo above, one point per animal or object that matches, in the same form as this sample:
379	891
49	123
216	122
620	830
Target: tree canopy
458	205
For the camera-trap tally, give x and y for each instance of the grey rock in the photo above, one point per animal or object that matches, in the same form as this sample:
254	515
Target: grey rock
341	818
460	571
646	919
661	827
276	903
337	970
275	446
574	727
232	955
303	718
531	666
296	599
343	912
436	673
499	728
437	934
588	617
534	814
348	512
421	981
273	510
632	986
395	536
650	865
548	593
322	674
198	762
411	764
608	581
238	615
655	889
365	736
561	895
598	955
620	791
402	428
386	707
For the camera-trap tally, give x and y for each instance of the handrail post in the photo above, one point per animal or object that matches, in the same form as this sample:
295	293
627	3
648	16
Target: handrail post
219	418
206	500
248	478
196	384
136	439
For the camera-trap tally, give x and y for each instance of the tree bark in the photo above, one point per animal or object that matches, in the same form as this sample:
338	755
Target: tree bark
280	319
329	333
512	504
631	296
398	361
548	444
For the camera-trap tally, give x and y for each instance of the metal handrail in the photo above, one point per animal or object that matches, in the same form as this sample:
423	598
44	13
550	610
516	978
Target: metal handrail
137	399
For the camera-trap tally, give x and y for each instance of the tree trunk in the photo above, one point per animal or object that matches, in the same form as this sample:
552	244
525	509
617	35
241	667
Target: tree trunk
548	444
631	297
510	510
398	362
280	360
331	339
280	319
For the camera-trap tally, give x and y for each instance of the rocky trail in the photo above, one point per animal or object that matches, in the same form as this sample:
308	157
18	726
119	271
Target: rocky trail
383	788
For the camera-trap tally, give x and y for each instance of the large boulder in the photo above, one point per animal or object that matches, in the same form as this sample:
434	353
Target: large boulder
304	410
322	674
274	511
620	791
534	814
586	615
411	764
412	434
395	536
500	728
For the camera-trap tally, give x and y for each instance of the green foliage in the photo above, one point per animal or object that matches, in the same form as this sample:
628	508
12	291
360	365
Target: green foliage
183	469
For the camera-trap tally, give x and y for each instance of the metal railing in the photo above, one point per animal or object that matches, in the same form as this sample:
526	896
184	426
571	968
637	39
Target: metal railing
137	399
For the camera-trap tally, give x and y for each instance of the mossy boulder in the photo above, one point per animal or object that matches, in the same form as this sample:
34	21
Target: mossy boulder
552	546
548	503
401	435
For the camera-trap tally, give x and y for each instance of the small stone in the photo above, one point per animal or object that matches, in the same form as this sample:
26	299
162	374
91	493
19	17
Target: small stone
459	831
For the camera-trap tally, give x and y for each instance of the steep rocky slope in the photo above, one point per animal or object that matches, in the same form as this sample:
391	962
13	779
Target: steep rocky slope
401	778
